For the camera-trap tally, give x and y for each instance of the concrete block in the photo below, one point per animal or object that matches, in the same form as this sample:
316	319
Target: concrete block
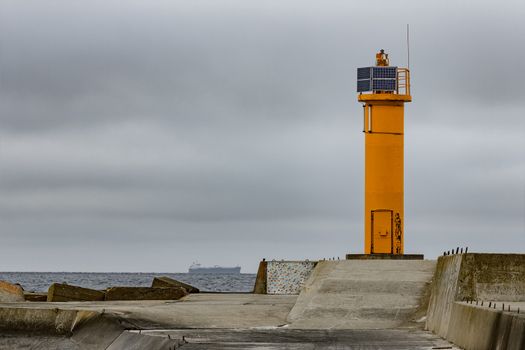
470	328
51	321
34	296
11	292
516	340
260	280
475	327
166	282
65	292
145	293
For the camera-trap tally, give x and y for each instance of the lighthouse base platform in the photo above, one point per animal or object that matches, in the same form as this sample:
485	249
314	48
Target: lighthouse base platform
385	257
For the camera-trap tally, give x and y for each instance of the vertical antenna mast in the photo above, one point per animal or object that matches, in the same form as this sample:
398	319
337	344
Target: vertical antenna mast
408	47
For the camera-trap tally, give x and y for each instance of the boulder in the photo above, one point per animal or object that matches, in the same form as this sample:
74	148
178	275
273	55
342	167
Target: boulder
10	292
166	282
145	293
65	292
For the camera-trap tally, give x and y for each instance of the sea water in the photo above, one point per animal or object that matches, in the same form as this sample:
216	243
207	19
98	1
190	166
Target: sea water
40	281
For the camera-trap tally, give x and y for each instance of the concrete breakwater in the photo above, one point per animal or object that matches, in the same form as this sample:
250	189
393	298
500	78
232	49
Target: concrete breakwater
379	303
466	291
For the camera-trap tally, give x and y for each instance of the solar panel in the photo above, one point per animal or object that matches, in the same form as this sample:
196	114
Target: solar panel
363	73
363	85
376	79
383	85
384	72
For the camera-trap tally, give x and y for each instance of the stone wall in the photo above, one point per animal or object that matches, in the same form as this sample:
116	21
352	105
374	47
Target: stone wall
287	277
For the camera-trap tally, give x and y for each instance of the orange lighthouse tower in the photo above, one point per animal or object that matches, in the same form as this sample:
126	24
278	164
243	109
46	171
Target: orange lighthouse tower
383	91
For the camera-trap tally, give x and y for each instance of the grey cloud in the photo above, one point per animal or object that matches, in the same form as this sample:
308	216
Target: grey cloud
235	125
166	65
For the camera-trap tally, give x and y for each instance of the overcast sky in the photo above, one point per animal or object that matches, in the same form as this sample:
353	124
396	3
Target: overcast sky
144	135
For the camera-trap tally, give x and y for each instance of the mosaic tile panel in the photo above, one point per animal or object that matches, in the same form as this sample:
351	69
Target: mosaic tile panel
287	277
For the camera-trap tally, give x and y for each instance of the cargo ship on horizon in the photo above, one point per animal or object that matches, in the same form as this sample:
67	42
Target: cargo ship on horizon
216	269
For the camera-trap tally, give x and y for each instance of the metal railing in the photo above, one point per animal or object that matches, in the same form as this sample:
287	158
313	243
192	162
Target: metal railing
403	81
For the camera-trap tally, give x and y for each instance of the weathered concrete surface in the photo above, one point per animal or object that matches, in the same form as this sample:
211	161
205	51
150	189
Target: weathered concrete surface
110	332
488	277
496	277
298	339
202	310
10	292
474	327
48	320
145	293
139	341
271	339
260	279
100	331
222	311
35	341
362	294
59	292
71	329
443	293
104	332
166	282
225	317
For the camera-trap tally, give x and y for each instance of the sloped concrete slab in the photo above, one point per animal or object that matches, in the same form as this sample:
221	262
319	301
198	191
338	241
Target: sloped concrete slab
362	294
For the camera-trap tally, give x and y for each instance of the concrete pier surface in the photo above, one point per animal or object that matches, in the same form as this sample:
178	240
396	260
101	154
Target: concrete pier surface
200	321
354	304
230	339
301	339
207	310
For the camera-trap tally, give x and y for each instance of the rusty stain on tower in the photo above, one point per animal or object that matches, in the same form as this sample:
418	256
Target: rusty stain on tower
384	90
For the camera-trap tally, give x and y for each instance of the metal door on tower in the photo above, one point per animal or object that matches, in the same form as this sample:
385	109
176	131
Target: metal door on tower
382	228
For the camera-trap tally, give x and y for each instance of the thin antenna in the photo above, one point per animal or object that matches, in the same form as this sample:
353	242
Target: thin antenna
408	47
